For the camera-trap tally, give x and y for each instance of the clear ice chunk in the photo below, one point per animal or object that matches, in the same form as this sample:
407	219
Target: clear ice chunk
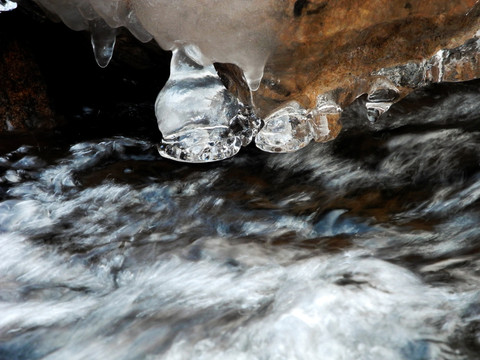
246	125
7	5
287	129
376	109
381	97
199	119
103	39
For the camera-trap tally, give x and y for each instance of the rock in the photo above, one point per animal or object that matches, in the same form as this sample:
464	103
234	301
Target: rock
386	49
58	86
24	103
341	47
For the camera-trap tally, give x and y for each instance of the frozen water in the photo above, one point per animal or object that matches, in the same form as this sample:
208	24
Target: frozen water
237	32
77	14
245	33
287	129
197	115
103	39
7	5
246	125
219	29
375	110
325	108
200	121
381	97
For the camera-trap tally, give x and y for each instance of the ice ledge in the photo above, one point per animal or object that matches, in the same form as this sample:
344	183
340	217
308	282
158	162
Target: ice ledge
7	5
292	55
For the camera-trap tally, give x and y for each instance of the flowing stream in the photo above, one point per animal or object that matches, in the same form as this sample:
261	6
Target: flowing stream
366	247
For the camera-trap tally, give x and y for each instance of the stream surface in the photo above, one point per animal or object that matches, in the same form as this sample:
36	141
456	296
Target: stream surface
366	247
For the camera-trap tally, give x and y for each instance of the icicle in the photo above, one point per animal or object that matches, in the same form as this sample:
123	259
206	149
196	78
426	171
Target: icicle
325	110
103	39
254	76
136	28
381	97
434	68
199	119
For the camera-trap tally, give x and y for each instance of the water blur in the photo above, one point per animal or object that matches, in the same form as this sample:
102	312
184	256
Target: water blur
366	247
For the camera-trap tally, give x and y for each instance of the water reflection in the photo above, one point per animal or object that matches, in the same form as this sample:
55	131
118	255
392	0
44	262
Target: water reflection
362	248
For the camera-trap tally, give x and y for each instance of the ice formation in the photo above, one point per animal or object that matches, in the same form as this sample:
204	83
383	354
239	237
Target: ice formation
287	129
103	41
380	98
293	54
7	5
199	119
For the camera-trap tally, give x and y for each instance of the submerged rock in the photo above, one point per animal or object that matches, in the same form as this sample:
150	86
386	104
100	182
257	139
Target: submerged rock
319	55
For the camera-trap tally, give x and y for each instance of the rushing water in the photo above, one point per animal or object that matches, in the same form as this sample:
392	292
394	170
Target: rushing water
366	247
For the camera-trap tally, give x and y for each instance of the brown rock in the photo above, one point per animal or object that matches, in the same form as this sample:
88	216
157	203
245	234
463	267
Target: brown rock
340	50
24	104
339	47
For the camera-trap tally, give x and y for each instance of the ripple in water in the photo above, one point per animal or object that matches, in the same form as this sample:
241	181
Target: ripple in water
363	248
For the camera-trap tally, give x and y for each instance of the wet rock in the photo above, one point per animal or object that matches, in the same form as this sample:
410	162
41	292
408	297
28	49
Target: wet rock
24	102
62	88
341	48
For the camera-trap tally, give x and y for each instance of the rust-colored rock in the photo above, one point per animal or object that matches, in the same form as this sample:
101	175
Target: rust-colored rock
24	104
340	50
339	47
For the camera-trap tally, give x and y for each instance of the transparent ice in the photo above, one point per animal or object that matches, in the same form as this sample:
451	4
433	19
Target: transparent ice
381	97
199	119
325	107
103	39
286	129
236	32
292	127
228	32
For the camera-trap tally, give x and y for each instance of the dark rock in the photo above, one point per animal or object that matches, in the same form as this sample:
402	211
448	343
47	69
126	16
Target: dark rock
24	102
